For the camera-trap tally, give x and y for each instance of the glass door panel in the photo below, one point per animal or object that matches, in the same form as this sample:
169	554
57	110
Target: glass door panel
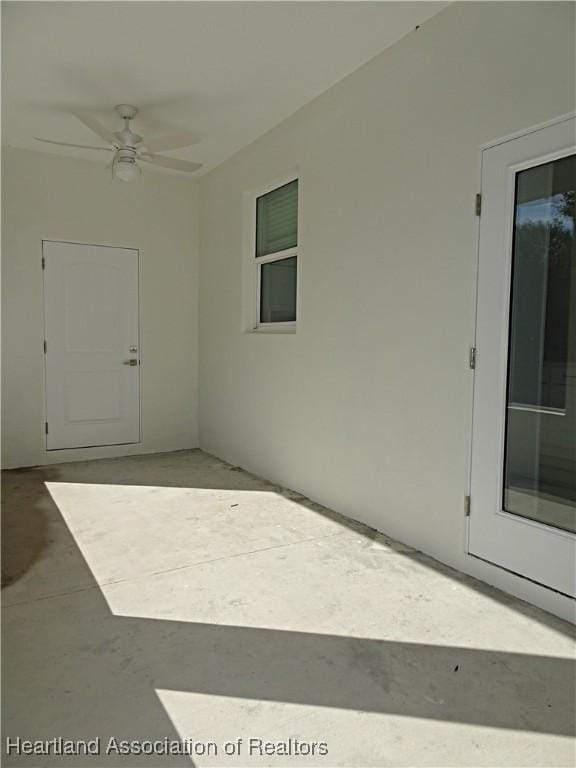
540	439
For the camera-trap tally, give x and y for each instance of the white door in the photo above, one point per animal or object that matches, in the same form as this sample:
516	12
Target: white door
523	491
92	347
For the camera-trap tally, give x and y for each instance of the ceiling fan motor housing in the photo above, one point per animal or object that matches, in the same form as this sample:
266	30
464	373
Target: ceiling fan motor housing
127	138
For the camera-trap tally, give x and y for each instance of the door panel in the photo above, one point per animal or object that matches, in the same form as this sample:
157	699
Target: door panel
91	324
523	489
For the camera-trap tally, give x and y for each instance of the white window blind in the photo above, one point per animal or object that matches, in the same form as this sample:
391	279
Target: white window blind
277	220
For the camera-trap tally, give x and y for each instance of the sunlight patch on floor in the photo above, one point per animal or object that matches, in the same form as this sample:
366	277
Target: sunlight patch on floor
261	559
404	741
115	525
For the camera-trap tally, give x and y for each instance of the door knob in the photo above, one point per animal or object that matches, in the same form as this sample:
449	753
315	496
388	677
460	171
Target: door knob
132	361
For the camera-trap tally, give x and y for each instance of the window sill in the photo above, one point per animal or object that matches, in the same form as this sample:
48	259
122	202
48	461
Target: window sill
274	328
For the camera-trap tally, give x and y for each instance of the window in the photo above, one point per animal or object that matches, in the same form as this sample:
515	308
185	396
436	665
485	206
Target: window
275	252
541	316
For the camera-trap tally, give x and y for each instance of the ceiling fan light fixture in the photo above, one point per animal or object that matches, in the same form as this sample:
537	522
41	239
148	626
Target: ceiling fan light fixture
126	168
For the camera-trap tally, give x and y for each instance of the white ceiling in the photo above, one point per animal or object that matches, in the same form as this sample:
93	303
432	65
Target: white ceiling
228	71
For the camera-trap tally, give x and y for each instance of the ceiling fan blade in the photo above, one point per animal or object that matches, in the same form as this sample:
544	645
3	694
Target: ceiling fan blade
177	141
91	122
79	146
171	162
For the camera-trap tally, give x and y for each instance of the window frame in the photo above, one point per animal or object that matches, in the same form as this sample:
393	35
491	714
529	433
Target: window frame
258	261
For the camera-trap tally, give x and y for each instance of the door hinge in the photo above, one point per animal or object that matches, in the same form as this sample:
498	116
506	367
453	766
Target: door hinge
478	204
472	358
466	506
43	263
45	346
46	427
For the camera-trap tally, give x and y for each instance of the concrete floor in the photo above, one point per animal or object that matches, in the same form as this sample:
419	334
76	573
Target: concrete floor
173	596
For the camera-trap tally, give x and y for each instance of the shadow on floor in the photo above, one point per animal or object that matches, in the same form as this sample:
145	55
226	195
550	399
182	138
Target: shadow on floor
103	668
25	533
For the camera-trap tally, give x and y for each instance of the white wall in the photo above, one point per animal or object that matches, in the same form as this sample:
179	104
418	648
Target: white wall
62	199
367	407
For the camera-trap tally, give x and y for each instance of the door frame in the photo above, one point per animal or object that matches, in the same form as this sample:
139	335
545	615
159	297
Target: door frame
95	451
541	588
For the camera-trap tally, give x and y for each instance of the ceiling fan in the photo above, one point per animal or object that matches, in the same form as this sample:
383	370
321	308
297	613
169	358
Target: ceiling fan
129	147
